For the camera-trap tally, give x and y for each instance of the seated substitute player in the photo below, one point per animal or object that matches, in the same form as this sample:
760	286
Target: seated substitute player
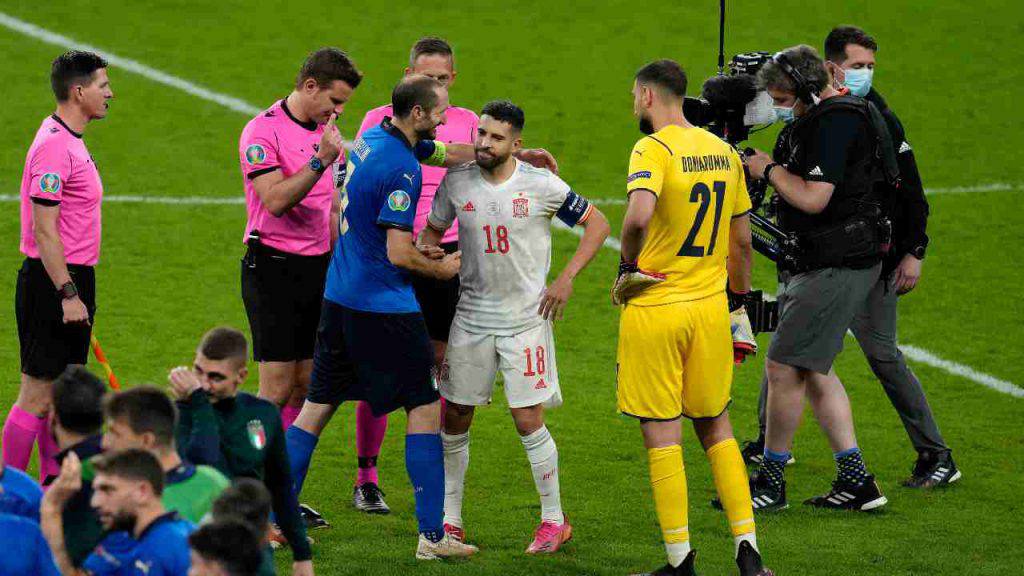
503	318
127	491
224	547
687	212
235	432
372	344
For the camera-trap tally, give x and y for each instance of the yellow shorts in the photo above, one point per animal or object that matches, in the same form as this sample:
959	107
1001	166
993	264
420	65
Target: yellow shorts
675	359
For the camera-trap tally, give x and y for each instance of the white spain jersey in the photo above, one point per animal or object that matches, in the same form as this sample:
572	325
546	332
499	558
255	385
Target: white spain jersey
505	239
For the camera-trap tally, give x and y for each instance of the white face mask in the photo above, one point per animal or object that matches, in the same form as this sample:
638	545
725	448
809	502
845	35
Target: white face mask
785	113
858	80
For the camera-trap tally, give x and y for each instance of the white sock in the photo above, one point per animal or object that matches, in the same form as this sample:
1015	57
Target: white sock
543	456
748	537
456	461
677	552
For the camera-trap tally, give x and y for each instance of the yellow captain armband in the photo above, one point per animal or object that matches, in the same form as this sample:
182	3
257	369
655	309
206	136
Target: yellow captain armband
438	156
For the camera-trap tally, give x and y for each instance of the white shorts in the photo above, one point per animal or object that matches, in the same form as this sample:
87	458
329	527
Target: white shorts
526	360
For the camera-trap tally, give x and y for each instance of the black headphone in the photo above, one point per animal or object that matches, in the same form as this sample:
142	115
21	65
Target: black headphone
804	90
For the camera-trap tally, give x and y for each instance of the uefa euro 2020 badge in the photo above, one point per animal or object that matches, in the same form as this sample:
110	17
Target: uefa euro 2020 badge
257	435
50	183
399	201
255	154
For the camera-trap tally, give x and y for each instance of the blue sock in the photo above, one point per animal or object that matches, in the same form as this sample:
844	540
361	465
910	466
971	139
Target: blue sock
773	467
424	461
300	452
850	466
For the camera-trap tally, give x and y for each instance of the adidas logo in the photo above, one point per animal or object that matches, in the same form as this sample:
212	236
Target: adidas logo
469	207
540	385
816	171
905	147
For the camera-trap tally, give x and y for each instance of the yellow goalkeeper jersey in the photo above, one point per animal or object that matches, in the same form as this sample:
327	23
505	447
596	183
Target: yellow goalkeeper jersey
700	186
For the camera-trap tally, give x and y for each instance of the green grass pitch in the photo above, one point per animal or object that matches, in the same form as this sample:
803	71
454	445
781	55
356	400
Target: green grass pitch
169	272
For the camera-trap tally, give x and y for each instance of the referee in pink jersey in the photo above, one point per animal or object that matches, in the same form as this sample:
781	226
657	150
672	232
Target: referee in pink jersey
286	152
55	296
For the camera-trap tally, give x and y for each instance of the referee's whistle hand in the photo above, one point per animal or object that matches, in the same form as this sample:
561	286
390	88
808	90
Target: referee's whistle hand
331	143
75	311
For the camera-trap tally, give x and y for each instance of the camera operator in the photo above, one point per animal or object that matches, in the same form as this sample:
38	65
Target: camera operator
828	186
850	54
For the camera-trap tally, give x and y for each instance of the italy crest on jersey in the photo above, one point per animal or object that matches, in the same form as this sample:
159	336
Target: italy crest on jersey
255	154
257	435
50	183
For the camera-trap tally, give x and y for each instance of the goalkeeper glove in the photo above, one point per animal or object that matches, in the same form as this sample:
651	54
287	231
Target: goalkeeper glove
743	342
631	281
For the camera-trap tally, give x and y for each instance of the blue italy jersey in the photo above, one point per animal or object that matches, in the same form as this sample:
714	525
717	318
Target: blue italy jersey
19	494
25	550
381	192
161	550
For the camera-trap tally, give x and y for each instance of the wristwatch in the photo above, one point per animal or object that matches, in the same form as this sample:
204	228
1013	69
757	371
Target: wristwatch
67	291
917	252
768	171
317	165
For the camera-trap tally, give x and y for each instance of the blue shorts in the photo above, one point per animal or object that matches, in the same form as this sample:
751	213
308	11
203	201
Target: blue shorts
382	359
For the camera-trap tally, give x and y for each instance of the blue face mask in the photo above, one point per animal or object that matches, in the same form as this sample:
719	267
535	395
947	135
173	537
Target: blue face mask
858	80
784	113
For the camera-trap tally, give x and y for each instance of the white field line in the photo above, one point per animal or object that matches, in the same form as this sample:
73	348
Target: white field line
242	107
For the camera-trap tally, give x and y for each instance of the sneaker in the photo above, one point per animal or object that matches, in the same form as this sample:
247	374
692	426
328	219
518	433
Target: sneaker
847	496
749	561
684	569
446	547
455	532
312	519
933	470
369	498
549	537
753	453
278	540
764	497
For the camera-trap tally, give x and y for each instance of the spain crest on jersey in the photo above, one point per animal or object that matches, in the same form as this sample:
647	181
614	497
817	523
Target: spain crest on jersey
520	207
257	435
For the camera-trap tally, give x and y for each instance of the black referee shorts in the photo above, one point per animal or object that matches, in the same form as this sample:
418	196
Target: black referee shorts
282	294
438	299
383	359
48	345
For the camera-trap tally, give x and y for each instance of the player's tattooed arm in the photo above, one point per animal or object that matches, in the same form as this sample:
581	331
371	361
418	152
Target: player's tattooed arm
595	231
403	253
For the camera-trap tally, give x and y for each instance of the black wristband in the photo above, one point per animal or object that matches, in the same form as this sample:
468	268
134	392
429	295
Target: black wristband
627	267
736	299
768	171
67	291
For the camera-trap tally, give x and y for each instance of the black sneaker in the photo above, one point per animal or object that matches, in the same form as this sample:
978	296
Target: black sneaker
749	562
753	453
933	470
764	497
312	519
847	496
369	498
684	569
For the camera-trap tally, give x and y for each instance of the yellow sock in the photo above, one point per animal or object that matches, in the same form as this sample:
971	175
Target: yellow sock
668	482
733	486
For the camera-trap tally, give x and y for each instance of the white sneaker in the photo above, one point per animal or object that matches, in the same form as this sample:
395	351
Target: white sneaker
446	547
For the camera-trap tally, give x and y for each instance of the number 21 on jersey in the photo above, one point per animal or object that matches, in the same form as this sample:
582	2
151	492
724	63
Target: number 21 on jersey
700	193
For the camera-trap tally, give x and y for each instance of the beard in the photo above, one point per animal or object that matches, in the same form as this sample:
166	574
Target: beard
426	133
646	126
122	521
489	162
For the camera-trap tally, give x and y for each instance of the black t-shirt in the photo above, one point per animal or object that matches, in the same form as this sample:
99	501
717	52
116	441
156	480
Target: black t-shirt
829	149
906	206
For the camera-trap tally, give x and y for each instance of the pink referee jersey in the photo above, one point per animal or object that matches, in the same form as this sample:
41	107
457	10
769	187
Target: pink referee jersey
276	140
460	127
60	171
